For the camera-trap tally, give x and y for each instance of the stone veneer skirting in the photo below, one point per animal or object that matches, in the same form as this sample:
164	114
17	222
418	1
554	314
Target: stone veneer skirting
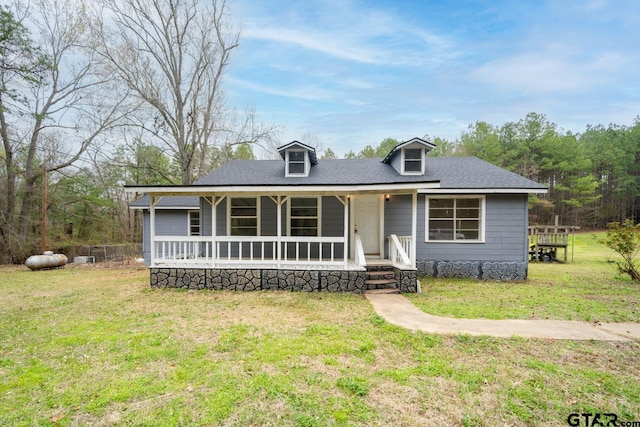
259	279
485	270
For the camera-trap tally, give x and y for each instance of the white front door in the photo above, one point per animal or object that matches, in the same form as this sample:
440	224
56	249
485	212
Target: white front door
367	222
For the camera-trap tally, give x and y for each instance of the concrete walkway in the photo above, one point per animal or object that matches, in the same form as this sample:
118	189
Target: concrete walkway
399	311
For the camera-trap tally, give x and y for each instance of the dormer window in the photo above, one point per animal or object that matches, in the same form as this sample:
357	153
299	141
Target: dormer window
412	161
298	159
408	158
296	163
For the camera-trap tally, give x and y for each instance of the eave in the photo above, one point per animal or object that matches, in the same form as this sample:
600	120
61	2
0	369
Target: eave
282	189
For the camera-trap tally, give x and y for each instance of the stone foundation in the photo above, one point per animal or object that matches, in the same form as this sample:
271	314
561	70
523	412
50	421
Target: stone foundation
259	279
482	270
407	280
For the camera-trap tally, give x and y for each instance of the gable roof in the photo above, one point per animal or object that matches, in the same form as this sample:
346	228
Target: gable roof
395	150
450	172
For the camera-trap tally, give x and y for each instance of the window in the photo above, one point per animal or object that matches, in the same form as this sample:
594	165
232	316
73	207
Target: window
304	216
413	160
194	223
454	219
243	216
296	163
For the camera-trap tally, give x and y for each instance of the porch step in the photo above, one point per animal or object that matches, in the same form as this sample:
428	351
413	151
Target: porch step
381	277
380	273
381	282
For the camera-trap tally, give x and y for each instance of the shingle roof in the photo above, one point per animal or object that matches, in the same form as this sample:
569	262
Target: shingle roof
189	202
451	172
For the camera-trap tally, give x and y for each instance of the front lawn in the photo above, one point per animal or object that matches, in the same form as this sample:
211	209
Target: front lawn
589	289
93	346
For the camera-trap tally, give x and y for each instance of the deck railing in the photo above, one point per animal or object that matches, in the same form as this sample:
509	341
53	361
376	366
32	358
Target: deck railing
248	250
399	250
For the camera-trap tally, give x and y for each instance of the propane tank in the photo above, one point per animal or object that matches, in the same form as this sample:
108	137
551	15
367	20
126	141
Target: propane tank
47	260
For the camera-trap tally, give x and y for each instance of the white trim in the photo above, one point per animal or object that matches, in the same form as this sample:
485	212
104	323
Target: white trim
189	212
463	191
258	212
414	229
381	204
289	189
152	229
306	162
482	219
402	161
422	142
177	208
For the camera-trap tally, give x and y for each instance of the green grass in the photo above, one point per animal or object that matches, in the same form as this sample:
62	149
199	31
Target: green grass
92	346
589	289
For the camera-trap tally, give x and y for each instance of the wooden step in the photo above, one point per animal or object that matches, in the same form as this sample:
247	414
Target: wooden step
381	282
380	273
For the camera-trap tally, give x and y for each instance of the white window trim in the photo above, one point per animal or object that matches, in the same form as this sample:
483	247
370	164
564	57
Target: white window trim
307	164
483	204
258	216
189	212
319	202
422	162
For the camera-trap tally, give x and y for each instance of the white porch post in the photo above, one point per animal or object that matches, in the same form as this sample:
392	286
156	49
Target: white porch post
414	228
152	229
345	252
279	227
214	220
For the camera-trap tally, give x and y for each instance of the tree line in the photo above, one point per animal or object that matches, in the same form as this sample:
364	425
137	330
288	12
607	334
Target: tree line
593	176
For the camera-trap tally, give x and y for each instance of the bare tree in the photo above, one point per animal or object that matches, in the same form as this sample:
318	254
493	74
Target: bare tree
67	109
173	55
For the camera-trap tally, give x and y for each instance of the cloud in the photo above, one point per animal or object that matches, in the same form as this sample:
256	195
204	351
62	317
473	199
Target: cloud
306	92
549	72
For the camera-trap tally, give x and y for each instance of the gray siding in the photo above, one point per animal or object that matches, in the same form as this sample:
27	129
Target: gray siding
396	162
268	217
332	217
505	234
171	222
397	217
205	217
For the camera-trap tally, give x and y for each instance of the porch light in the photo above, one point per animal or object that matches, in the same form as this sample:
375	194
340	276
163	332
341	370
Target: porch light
386	197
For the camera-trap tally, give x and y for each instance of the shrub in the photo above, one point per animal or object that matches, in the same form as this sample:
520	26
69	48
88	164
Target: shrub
624	238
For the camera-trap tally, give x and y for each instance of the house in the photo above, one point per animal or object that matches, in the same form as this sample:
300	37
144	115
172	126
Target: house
347	225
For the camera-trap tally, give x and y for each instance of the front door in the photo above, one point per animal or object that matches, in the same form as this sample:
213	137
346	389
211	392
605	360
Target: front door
367	222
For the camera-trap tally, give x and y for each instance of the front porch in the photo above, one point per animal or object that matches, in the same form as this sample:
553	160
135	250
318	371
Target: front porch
293	242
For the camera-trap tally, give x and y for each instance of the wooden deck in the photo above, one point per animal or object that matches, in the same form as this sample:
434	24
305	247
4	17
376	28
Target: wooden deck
546	240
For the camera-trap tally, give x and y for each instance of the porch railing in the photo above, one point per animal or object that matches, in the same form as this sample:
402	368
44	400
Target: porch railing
399	250
248	250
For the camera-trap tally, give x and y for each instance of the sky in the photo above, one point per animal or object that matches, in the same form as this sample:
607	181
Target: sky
350	73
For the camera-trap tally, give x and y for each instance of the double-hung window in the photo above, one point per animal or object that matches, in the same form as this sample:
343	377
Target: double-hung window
455	219
243	216
412	158
296	163
194	223
304	218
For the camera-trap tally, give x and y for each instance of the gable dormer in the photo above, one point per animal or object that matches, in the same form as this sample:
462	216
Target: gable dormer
408	158
298	159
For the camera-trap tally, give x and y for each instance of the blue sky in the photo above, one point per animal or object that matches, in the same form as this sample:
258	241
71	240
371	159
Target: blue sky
352	73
